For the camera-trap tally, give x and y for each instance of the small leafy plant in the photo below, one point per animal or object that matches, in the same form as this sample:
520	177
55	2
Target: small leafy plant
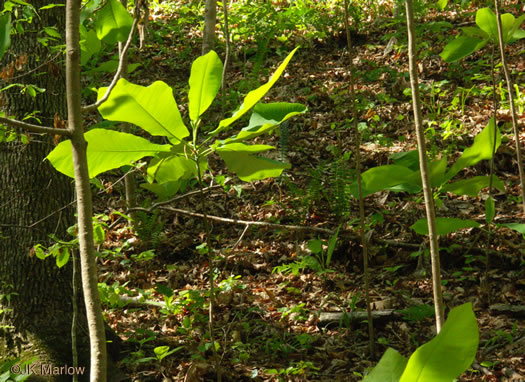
154	109
443	358
475	38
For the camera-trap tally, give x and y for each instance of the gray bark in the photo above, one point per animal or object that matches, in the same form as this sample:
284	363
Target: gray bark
210	19
32	192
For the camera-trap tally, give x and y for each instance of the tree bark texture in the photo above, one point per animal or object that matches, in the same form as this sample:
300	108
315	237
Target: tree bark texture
31	193
210	19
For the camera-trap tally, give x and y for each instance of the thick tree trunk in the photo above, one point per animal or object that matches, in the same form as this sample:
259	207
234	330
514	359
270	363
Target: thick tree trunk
32	195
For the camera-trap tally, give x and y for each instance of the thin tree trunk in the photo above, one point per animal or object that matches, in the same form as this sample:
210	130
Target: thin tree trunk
366	271
210	19
130	183
227	41
98	371
510	89
427	190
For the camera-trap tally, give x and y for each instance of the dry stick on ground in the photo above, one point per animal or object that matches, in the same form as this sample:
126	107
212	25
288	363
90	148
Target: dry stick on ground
510	89
427	190
357	134
347	235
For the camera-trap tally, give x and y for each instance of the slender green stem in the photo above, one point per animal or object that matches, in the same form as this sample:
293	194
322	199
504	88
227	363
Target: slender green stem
211	267
423	165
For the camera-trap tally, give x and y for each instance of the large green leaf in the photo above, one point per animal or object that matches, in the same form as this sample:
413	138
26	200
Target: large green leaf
106	150
89	45
153	108
472	186
255	95
515	33
5	32
461	47
486	21
113	22
389	368
450	353
444	226
239	158
164	190
408	159
205	82
383	177
173	168
475	32
265	118
519	227
481	149
437	170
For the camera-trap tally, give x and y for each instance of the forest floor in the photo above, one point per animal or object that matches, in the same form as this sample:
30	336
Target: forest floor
268	304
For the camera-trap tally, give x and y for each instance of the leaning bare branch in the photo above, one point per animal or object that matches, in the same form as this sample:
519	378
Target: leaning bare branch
37	68
34	128
113	83
242	222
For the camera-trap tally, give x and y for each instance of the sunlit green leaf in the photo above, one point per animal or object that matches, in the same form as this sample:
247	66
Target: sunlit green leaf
106	150
450	353
472	186
239	158
171	169
153	108
461	47
113	22
89	45
265	118
383	177
442	4
481	149
486	21
444	226
514	226
205	82
62	257
389	368
255	95
514	33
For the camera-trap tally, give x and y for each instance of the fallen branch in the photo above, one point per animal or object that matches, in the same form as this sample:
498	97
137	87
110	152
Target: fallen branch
516	311
331	319
245	222
140	301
